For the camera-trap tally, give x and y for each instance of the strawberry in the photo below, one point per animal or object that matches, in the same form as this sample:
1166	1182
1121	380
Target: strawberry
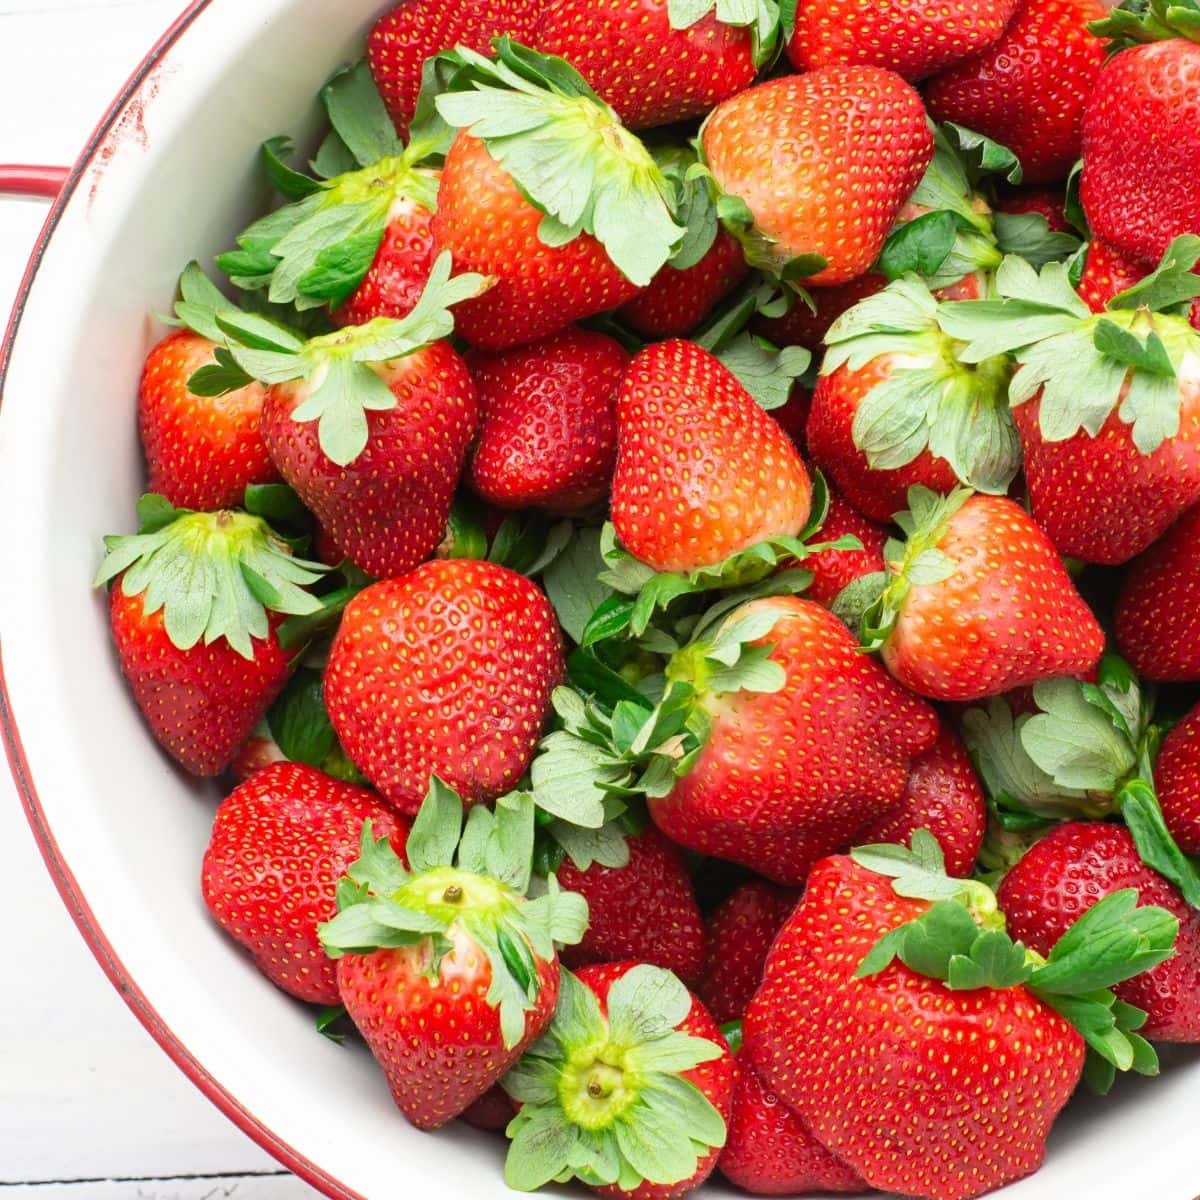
445	967
1065	873
805	326
554	253
1107	405
978	601
835	570
548	424
740	933
702	471
914	39
770	1153
642	910
371	425
895	407
1156	617
629	1091
357	239
196	642
809	205
492	1111
1141	135
405	36
255	755
445	671
280	842
1027	90
679	298
944	796
1107	273
939	1075
1177	780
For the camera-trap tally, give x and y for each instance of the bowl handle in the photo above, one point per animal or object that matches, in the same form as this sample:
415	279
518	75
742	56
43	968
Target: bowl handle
22	179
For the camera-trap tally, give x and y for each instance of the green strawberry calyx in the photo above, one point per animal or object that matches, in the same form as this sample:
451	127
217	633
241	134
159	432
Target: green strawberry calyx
603	1095
1136	358
763	18
567	152
1139	21
928	400
315	251
960	940
462	877
344	370
212	575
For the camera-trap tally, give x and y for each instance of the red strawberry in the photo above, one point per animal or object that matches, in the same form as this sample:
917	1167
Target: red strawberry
834	570
677	300
652	70
197	646
1107	273
703	472
279	845
1044	201
614	1068
548	424
492	1111
770	1153
466	975
924	1089
912	39
259	752
568	218
1066	872
1141	140
802	326
1157	621
896	409
1177	781
786	776
792	417
202	452
371	425
1027	90
446	671
979	602
411	32
740	933
644	911
945	797
823	163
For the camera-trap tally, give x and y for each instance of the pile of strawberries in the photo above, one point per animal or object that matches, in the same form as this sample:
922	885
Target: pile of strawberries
687	540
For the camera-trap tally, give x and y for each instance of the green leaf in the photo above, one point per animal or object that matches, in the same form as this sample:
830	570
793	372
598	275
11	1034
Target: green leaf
768	374
508	852
1157	848
570	779
436	830
1121	345
357	113
573	585
919	247
298	721
1173	283
277	503
994	961
933	939
605	847
328	1021
291	183
1029	235
646	1003
541	1148
696	210
985	155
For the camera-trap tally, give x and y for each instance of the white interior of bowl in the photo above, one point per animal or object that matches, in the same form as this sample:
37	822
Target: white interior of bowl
174	182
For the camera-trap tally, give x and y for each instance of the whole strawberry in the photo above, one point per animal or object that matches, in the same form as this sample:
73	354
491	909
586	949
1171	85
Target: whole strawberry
834	570
914	39
938	1074
657	62
1141	136
548	424
554	253
446	671
1157	625
405	36
196	643
643	910
632	1067
944	796
1177	781
739	936
770	1153
280	842
978	601
1065	873
445	967
371	426
1027	90
702	471
896	408
814	206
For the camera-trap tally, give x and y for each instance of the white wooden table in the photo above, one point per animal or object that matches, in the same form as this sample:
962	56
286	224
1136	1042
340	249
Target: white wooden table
90	1108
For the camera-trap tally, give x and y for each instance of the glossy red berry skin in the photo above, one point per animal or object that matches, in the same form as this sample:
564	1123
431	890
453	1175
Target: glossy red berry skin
280	843
1063	874
1177	781
834	570
448	671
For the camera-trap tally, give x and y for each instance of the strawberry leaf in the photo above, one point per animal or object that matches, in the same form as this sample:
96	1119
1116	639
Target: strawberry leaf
919	247
573	585
357	113
1155	846
983	155
288	182
1172	283
764	17
767	373
299	722
1029	236
437	828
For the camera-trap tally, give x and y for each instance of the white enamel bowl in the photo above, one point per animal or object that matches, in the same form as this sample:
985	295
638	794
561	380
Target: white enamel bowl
169	176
